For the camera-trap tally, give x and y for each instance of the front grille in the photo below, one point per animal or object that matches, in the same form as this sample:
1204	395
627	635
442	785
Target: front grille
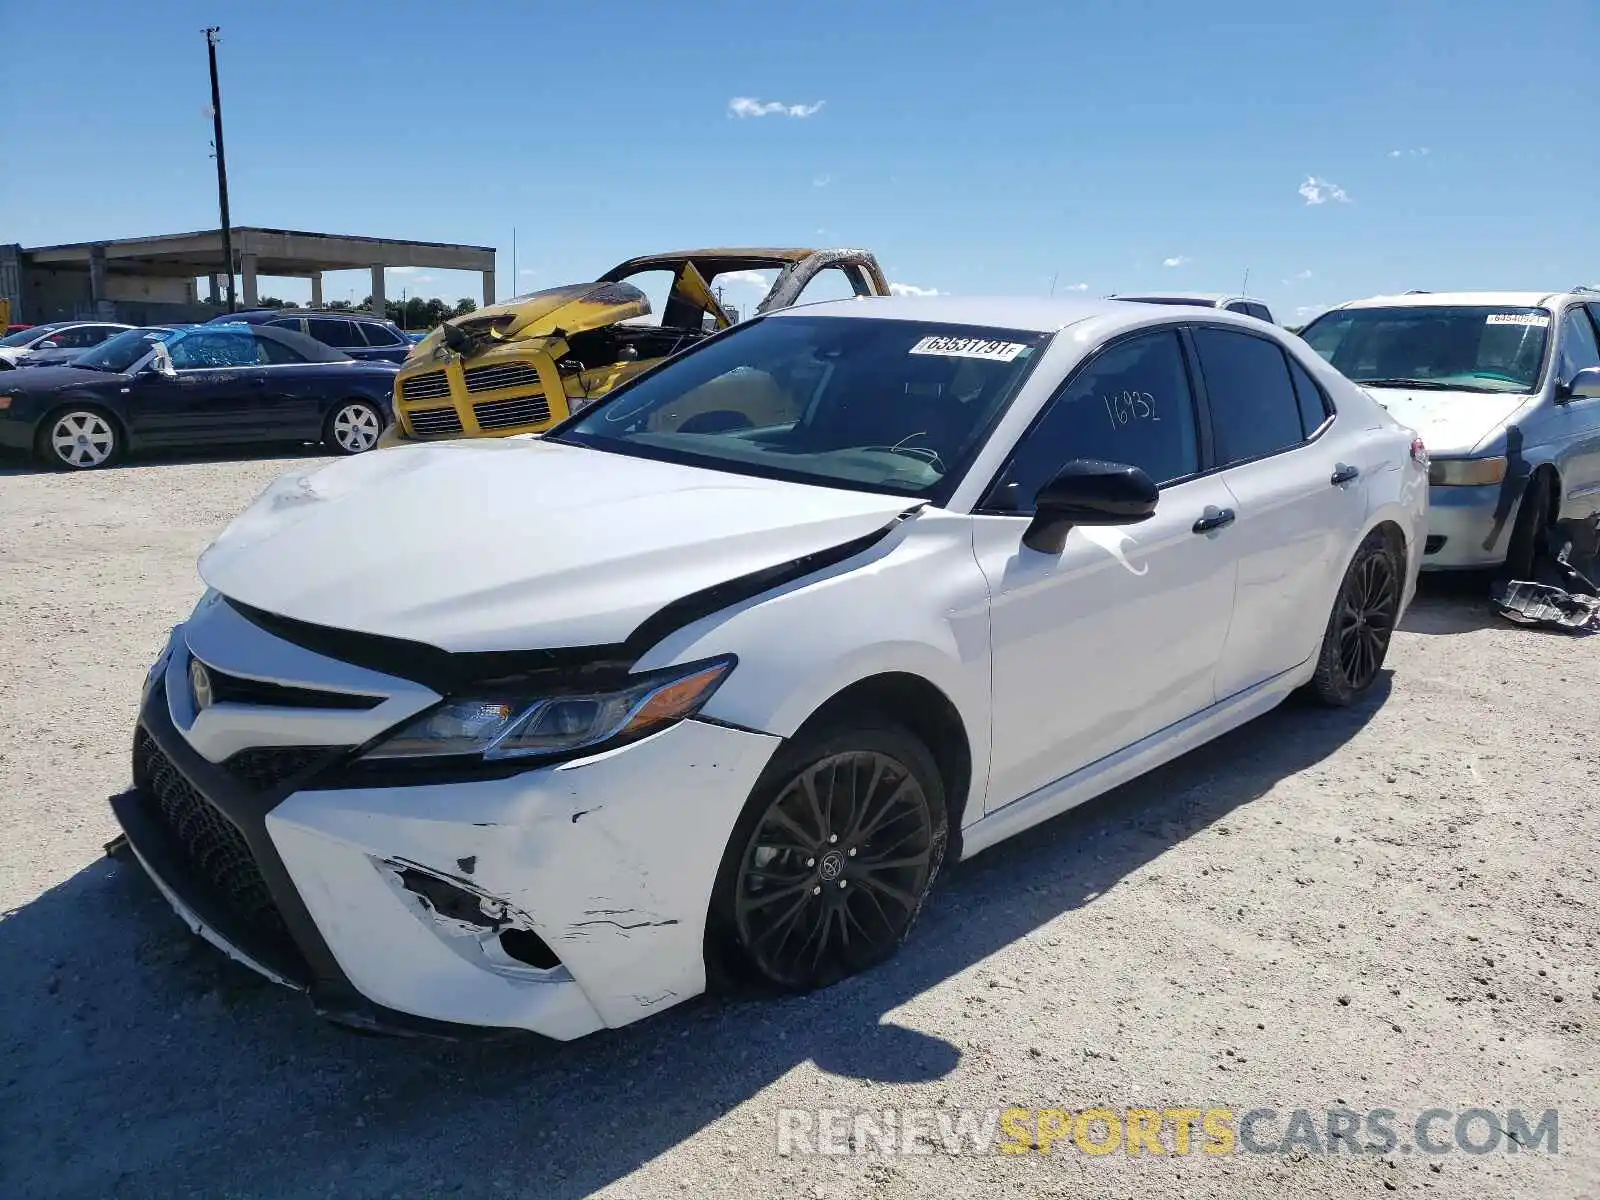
501	375
434	385
435	422
236	689
263	768
213	845
502	414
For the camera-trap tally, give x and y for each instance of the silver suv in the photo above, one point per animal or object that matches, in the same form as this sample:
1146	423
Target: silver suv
1247	305
1504	388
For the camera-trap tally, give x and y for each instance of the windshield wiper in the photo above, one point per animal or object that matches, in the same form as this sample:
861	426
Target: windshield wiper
1431	385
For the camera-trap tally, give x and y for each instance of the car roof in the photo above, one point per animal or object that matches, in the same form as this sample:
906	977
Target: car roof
1197	297
1035	314
1458	299
253	316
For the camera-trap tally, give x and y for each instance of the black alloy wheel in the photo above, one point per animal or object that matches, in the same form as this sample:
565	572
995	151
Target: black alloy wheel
838	858
1363	620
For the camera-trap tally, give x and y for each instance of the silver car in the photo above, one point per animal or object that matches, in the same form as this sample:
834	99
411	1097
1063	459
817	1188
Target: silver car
55	343
1504	388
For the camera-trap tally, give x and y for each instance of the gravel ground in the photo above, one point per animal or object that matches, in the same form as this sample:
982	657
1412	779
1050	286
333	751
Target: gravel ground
1395	906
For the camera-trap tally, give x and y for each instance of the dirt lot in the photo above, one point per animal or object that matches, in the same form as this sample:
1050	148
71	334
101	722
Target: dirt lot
1392	907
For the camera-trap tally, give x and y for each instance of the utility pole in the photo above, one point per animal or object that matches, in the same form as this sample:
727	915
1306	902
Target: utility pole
514	290
211	33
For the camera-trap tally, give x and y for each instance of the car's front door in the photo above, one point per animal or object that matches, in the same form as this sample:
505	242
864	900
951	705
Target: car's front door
1299	497
1575	423
213	395
1118	636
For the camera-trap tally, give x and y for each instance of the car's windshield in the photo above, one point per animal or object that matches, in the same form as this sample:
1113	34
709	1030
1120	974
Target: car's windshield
121	352
1436	347
891	406
23	336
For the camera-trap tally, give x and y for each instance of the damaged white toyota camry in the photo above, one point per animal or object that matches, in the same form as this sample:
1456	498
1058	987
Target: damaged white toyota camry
717	674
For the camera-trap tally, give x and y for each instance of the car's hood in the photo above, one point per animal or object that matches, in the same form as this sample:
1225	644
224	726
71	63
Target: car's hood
1449	422
516	544
53	379
571	308
13	354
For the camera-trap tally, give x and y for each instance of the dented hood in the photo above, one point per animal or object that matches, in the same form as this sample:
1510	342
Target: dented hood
572	308
516	544
1449	422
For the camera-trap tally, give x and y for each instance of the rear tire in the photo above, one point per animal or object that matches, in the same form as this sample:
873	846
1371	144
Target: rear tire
830	862
1363	619
78	438
1530	534
353	427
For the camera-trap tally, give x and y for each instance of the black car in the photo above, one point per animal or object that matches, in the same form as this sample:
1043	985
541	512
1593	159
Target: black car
364	337
190	386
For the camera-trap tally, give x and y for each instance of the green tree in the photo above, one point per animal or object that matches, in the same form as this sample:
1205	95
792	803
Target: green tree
465	305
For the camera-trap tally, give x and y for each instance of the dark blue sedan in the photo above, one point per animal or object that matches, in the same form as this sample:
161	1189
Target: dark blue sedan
196	385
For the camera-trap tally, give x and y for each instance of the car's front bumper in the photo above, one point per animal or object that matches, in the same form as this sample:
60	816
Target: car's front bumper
1463	528
608	861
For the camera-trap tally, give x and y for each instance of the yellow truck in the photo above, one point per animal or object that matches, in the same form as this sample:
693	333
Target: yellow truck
525	364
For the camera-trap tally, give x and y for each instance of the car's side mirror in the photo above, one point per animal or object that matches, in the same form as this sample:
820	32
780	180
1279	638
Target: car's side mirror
1585	385
161	364
1089	492
47	344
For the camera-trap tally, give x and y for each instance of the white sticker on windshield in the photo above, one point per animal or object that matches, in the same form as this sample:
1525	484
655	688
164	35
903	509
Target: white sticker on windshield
964	347
1537	320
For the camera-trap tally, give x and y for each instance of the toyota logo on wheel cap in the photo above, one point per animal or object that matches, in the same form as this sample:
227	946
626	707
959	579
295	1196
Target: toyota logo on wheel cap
832	865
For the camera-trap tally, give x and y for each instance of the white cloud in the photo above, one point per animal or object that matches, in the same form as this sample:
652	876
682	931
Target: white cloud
1307	311
1077	287
1177	260
822	181
1419	152
402	270
1320	191
744	279
1306	274
911	289
527	271
749	106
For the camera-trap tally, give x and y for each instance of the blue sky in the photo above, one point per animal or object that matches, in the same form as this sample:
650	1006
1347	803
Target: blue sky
1336	150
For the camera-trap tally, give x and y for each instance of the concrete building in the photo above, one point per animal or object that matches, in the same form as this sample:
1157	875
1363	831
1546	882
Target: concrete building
150	279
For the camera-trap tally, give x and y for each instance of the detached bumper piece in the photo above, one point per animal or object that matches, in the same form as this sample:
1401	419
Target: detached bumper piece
1549	607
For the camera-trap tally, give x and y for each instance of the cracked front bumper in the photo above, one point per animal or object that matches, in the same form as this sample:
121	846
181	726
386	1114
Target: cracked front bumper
609	861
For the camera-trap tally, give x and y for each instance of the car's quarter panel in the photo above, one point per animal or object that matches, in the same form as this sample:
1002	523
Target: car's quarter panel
611	859
914	604
1113	639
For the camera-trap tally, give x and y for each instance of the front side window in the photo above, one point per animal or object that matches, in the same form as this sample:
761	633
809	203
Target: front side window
379	335
80	337
123	351
1130	404
331	331
1440	347
1577	348
1259	311
888	406
1254	409
205	349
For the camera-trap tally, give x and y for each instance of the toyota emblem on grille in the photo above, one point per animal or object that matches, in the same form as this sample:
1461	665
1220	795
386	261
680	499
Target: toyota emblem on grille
200	684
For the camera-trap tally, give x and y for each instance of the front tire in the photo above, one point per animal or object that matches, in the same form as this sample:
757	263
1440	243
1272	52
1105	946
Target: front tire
1362	622
1530	533
832	858
79	439
353	427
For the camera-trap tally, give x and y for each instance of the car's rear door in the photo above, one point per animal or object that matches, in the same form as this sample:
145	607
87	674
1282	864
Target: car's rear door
1118	636
383	343
289	401
341	334
1297	493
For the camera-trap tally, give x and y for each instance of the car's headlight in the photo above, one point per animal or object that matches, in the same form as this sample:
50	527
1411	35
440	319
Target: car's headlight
495	728
1466	472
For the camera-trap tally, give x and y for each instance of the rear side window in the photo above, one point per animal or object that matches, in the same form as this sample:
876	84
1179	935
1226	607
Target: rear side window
1254	409
275	352
331	331
1259	311
1131	404
1313	404
378	335
291	323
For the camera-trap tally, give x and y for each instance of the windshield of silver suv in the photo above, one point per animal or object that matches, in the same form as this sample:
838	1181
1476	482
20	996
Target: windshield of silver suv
890	406
1438	347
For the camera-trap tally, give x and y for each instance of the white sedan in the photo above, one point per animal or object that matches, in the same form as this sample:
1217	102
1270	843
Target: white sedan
540	733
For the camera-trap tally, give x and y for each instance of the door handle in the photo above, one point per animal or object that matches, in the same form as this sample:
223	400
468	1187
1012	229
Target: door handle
1214	518
1344	474
258	381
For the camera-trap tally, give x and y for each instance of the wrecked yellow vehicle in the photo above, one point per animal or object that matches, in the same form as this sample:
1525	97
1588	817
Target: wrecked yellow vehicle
522	366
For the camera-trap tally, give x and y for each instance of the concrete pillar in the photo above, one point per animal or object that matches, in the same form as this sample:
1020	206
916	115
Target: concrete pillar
214	288
316	290
488	288
378	298
98	299
247	267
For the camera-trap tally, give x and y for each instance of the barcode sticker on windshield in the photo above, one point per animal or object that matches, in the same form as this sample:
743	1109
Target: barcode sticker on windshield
962	347
1537	320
